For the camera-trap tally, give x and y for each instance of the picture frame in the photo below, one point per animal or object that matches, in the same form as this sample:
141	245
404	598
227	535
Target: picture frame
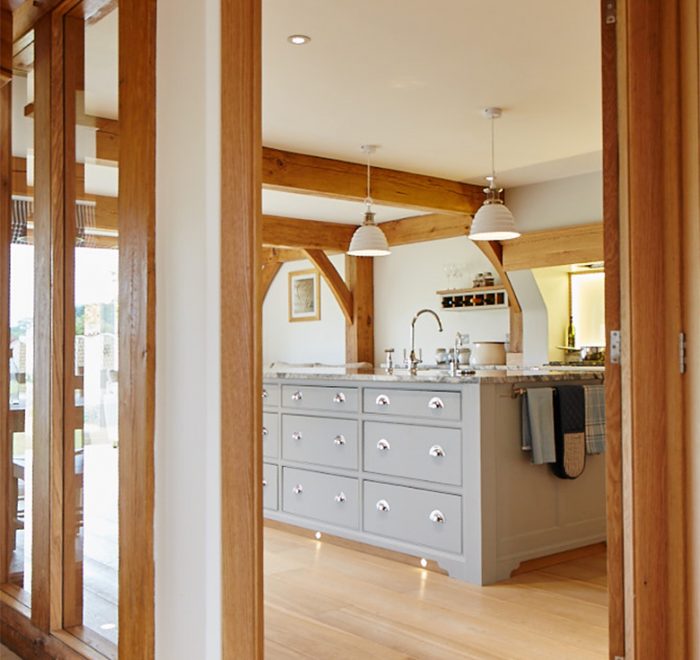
304	296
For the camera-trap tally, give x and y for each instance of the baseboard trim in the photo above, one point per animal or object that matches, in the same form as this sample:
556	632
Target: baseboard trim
539	563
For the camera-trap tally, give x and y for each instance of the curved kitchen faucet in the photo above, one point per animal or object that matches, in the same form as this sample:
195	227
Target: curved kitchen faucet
414	360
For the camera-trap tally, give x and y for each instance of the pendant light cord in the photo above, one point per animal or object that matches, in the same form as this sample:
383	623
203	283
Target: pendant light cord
368	199
493	154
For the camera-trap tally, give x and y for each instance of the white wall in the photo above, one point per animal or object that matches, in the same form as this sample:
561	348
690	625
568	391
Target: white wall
187	497
576	200
407	280
308	341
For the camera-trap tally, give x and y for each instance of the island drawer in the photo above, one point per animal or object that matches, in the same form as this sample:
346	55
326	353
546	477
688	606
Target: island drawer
419	517
315	397
271	395
320	440
325	497
271	435
414	452
414	403
270	486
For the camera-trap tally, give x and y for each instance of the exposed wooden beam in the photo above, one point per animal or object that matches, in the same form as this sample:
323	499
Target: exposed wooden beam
325	177
334	236
269	272
429	227
555	247
28	12
275	255
5	47
313	234
493	250
359	336
335	282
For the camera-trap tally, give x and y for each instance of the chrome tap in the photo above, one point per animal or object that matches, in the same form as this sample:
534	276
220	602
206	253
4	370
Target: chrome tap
414	361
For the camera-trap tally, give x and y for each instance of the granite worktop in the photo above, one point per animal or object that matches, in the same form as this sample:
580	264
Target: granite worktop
485	376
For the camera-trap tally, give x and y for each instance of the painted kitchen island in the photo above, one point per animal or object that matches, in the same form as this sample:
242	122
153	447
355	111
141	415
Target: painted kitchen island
429	465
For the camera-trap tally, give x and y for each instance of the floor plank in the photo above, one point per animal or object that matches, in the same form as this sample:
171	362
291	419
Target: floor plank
326	601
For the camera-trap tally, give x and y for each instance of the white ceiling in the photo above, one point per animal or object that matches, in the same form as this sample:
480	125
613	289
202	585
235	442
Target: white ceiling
413	76
294	205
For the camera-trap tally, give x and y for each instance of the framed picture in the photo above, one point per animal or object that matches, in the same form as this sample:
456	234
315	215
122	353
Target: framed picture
304	295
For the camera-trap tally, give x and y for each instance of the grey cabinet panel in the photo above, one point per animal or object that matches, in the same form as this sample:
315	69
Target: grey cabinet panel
271	395
320	440
270	486
423	404
421	517
325	497
313	397
271	435
414	452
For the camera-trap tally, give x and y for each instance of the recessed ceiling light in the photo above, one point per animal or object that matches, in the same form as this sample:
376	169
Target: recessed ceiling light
298	39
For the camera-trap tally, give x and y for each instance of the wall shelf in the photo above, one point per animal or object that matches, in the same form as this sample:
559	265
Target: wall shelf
476	298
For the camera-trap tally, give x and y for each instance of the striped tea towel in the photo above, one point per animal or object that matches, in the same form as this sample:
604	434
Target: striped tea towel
537	415
595	418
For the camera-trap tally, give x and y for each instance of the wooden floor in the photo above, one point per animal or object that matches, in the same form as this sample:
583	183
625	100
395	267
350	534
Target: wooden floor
324	601
6	654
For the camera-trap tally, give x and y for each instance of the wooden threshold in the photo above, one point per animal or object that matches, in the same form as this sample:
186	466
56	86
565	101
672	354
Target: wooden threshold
393	555
538	563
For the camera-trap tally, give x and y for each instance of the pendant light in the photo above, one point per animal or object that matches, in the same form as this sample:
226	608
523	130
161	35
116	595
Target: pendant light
368	239
493	221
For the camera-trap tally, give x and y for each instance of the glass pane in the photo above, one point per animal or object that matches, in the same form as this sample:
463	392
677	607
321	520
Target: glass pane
92	436
21	335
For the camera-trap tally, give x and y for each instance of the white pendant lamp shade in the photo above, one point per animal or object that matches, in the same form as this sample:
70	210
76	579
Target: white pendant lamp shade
369	240
493	221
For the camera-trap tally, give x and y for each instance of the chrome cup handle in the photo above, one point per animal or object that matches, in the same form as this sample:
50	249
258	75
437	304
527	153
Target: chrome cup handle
298	489
383	400
297	396
383	445
339	398
339	440
296	435
436	451
436	403
264	393
265	431
437	517
264	483
340	498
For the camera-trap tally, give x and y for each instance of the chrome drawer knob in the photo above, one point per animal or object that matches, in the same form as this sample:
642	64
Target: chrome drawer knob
339	398
339	440
264	483
264	394
383	506
436	403
383	445
299	489
383	400
264	431
296	435
436	451
340	498
437	517
297	396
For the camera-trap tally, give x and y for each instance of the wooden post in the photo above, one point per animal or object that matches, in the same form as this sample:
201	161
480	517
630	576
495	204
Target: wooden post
241	341
359	335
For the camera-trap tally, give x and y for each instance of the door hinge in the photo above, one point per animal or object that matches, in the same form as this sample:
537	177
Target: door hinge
611	11
682	352
615	347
